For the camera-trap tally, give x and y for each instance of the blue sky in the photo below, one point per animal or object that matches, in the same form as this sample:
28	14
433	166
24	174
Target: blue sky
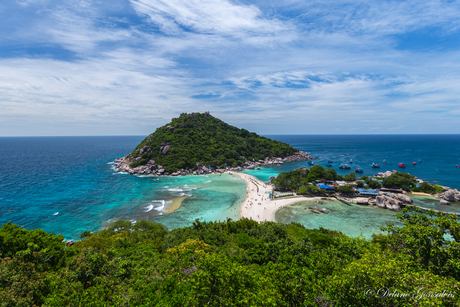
274	67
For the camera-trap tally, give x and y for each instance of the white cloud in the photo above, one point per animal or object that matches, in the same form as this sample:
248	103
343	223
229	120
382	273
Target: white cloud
220	17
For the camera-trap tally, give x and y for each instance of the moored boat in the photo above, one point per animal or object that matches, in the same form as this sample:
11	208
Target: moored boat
375	165
351	161
329	165
402	165
384	161
413	163
310	162
329	161
359	170
344	166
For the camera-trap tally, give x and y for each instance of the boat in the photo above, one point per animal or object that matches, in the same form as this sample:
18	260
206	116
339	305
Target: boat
384	161
310	162
375	165
458	166
351	161
402	165
420	161
329	165
330	161
344	166
358	170
413	163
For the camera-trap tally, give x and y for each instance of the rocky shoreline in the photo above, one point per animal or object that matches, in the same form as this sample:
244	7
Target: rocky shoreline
151	168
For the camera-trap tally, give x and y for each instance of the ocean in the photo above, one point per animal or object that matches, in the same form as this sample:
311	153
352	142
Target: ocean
68	185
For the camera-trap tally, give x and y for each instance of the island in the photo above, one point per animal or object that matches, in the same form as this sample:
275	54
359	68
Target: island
196	143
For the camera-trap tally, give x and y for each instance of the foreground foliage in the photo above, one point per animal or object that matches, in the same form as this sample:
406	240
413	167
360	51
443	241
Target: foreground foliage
230	263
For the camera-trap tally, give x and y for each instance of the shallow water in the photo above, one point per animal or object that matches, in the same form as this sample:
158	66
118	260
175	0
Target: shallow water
433	203
352	220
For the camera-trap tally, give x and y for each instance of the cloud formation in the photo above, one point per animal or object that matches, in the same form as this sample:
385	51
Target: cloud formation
125	67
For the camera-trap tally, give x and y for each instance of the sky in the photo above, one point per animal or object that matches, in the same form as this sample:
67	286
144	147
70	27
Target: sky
126	67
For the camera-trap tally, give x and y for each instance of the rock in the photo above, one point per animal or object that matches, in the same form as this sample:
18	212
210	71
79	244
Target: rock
205	169
449	195
69	243
170	128
381	201
144	150
405	199
164	149
444	202
323	210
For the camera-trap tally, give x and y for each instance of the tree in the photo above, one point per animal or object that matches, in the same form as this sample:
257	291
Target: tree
346	189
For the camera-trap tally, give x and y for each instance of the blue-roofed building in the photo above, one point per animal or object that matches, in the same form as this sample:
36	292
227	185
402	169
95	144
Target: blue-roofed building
326	187
368	192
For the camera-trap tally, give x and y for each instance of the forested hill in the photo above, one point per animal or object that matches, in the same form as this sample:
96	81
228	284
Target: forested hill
201	138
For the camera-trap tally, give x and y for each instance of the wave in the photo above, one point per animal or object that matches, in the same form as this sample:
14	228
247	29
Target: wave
208	181
110	163
56	213
156	205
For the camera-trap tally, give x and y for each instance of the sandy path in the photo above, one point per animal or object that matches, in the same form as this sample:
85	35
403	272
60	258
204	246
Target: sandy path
257	204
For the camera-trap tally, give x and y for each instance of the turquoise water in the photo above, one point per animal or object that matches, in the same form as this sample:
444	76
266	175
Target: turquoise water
352	220
68	185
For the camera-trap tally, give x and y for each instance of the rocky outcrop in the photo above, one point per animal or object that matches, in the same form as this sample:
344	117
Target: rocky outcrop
387	202
144	150
405	199
450	195
164	149
150	168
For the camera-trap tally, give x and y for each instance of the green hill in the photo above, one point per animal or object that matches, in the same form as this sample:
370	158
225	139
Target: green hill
201	138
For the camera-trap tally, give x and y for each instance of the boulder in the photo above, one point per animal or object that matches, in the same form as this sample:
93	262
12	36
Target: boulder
404	198
444	202
381	201
164	149
144	150
449	195
69	243
170	129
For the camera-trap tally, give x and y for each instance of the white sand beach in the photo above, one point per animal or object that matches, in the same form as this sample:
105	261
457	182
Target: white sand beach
257	205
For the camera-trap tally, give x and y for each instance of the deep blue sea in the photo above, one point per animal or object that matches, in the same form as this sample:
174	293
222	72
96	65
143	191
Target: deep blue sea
68	185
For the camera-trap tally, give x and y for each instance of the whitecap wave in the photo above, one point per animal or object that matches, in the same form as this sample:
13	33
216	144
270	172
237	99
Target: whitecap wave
156	205
56	213
208	181
110	163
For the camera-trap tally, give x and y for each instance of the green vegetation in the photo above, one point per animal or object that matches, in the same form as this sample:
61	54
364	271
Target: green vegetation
407	183
345	189
202	138
240	263
293	180
400	180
